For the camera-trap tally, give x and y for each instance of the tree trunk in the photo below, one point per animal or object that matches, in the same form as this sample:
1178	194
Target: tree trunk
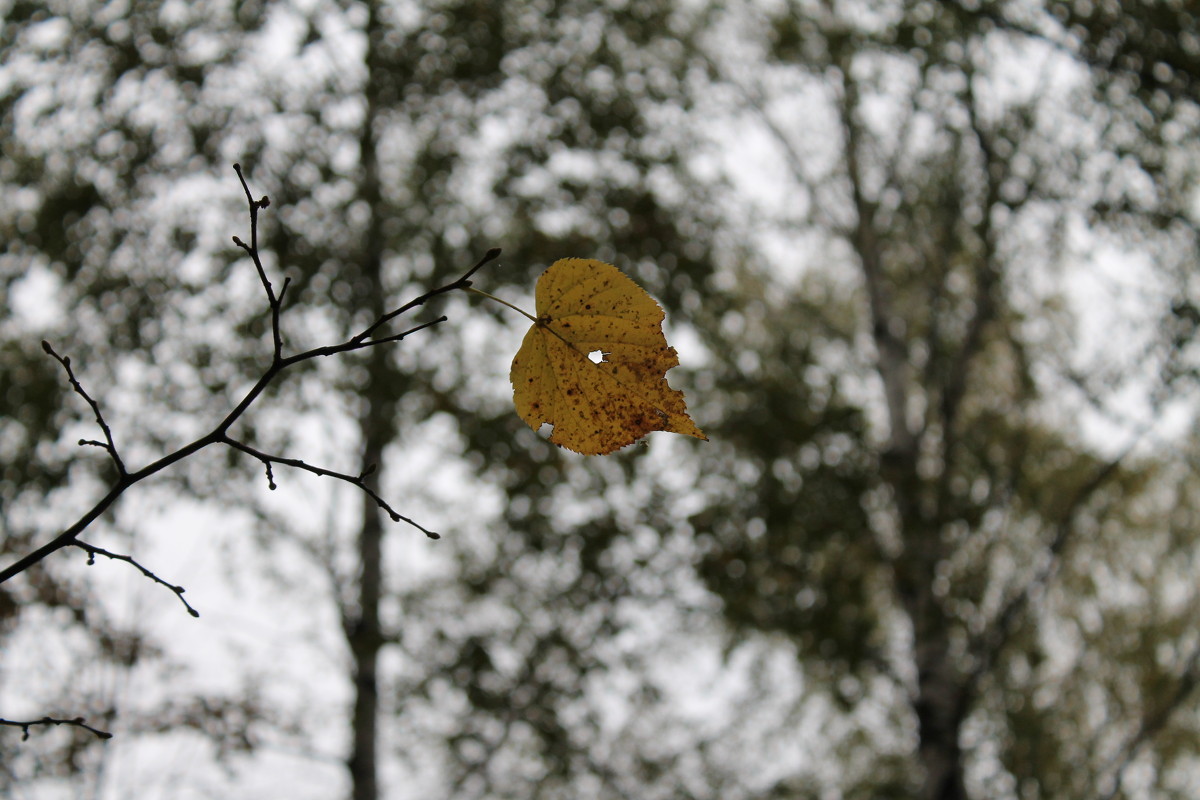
939	703
941	695
364	634
365	637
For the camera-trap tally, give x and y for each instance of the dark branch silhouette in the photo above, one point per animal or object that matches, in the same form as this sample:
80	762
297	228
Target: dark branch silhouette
94	551
78	722
220	434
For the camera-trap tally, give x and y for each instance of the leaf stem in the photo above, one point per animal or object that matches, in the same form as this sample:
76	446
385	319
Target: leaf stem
501	302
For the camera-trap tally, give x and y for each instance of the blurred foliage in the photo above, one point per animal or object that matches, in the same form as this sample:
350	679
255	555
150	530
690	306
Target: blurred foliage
902	547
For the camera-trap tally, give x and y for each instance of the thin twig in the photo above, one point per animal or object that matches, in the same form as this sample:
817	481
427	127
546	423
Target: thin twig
94	551
108	443
78	722
252	248
352	344
274	301
354	480
462	283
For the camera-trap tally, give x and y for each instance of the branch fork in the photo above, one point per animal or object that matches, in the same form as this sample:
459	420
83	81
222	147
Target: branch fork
220	434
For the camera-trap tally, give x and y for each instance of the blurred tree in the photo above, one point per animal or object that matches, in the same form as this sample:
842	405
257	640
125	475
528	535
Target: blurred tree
932	579
922	511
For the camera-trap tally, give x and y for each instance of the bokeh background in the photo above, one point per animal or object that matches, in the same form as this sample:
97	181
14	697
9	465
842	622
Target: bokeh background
931	269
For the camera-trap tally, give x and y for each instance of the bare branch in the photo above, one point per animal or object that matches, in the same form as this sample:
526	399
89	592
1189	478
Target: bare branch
108	443
354	480
94	551
274	301
357	344
462	283
78	722
219	434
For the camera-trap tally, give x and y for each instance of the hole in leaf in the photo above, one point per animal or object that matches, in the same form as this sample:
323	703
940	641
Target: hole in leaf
597	356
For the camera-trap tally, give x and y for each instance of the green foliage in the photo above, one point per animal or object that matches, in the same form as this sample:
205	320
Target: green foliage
900	519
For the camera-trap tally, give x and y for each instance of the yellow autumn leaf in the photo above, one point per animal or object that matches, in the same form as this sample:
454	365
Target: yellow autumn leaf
586	306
